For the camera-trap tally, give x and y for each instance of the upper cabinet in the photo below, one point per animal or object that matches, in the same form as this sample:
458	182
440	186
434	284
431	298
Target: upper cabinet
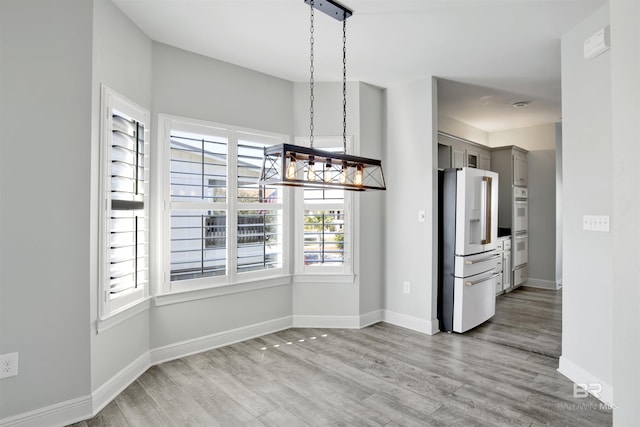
520	170
511	163
454	152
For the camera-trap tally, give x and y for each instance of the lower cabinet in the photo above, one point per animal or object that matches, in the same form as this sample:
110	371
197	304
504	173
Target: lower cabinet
504	282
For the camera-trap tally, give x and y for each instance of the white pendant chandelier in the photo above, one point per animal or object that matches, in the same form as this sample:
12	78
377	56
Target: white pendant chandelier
298	166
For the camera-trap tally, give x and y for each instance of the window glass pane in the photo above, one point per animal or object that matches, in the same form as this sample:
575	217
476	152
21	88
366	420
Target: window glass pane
250	155
259	240
323	237
198	244
198	167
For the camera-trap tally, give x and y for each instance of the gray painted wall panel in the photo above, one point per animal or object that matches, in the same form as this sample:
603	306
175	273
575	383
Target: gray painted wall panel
121	61
587	190
45	129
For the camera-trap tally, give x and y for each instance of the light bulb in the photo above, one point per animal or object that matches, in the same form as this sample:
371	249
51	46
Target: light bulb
358	178
327	171
343	174
311	176
291	170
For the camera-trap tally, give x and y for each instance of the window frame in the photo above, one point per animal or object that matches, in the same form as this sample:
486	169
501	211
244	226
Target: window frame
111	100
318	273
167	123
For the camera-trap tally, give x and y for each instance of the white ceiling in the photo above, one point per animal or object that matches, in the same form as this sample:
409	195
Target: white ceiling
491	52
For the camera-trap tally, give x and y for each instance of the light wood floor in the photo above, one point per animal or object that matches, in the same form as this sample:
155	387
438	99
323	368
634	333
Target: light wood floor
503	373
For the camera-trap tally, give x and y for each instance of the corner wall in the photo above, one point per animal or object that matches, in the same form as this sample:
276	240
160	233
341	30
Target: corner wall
194	86
587	190
121	61
411	175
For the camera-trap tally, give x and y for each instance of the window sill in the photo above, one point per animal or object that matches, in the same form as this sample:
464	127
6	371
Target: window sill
313	278
126	313
217	291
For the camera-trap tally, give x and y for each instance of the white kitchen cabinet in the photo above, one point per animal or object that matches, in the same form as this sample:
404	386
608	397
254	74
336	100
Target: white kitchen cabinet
520	169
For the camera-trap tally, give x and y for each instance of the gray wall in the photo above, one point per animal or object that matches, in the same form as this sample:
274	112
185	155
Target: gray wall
45	129
372	214
194	86
121	61
625	69
542	217
411	175
365	105
587	189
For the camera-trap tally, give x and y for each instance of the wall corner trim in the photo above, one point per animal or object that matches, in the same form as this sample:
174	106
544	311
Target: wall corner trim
429	327
580	376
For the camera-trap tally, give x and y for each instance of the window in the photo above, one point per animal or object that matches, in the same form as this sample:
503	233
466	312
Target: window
124	268
221	227
326	219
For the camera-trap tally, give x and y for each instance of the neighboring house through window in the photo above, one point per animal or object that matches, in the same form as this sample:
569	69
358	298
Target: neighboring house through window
326	242
220	226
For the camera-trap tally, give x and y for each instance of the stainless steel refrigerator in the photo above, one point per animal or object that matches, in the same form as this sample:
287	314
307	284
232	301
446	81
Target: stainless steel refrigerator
468	231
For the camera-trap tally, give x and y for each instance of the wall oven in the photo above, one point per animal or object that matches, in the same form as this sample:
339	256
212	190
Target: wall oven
520	210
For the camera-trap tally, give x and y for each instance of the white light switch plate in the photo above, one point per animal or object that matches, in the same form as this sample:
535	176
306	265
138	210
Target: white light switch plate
596	223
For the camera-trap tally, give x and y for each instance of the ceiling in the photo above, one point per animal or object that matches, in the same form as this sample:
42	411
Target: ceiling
490	53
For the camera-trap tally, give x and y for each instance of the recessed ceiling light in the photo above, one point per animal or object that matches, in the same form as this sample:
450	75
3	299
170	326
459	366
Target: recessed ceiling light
521	104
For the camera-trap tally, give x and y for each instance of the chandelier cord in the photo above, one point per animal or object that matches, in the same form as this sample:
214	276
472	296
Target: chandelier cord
311	81
344	85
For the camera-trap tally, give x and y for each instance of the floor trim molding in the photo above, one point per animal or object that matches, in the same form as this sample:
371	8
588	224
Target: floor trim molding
580	376
371	318
108	391
58	414
414	323
208	342
317	321
541	284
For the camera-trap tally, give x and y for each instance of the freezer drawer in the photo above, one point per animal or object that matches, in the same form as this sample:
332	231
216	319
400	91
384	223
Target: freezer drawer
471	265
474	300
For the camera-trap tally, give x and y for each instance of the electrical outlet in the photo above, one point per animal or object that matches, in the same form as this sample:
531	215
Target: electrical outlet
8	365
406	287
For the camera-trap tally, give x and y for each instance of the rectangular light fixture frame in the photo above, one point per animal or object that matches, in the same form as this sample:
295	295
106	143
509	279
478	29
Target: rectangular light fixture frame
296	166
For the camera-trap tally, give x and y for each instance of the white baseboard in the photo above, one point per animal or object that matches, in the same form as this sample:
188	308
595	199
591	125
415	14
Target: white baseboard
541	284
116	384
371	318
59	414
414	323
208	342
338	322
579	376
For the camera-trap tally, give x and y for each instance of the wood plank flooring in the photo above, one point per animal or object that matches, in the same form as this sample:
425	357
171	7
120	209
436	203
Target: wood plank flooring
502	373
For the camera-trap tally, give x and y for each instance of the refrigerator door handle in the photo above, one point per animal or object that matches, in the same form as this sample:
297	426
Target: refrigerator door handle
489	258
487	184
467	283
